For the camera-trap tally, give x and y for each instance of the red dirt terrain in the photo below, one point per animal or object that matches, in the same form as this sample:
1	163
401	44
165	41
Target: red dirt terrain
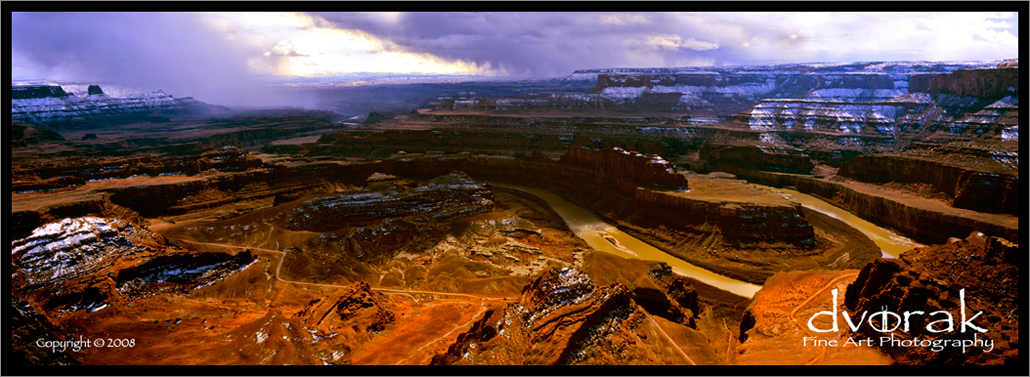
373	247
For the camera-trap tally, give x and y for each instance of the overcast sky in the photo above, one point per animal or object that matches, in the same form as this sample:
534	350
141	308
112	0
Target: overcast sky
215	56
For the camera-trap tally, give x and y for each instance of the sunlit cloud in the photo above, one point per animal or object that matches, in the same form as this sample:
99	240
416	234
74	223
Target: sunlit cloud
220	54
304	47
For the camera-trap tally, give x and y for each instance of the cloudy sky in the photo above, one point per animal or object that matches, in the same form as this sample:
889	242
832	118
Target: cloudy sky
216	56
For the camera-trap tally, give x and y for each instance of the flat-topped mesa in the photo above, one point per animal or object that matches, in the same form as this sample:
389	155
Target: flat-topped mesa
38	91
712	79
981	83
637	169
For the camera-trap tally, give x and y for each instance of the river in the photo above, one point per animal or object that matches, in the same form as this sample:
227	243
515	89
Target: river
891	244
607	238
597	234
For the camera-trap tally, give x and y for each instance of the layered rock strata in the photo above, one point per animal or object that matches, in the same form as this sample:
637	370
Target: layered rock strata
563	318
441	199
349	315
978	189
732	159
81	263
965	104
924	220
50	105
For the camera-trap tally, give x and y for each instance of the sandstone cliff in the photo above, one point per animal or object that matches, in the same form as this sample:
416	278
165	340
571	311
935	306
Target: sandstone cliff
977	188
984	83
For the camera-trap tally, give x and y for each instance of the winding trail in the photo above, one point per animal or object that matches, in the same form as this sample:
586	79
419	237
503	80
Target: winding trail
729	342
806	302
393	291
669	339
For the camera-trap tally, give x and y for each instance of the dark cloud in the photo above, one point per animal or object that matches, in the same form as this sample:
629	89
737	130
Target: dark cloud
174	52
554	44
533	44
187	54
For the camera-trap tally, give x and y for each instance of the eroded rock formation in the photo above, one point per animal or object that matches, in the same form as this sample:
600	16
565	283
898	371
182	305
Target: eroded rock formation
441	199
615	165
563	318
977	275
733	159
79	263
24	134
51	105
983	185
353	314
998	82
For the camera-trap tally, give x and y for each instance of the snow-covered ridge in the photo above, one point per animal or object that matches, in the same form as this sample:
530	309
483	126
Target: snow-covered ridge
832	116
73	244
967	115
60	107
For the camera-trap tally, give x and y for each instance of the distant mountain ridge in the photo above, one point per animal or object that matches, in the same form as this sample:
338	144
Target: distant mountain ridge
51	105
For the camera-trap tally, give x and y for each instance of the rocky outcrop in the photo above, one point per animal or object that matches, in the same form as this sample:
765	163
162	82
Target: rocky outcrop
23	222
636	169
227	159
563	318
441	199
81	263
983	83
732	159
977	189
975	275
353	314
24	134
675	298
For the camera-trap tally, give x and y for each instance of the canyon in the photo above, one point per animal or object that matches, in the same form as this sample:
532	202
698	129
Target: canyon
429	236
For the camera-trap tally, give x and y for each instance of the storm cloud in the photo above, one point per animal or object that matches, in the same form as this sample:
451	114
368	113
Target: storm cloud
552	44
177	53
228	58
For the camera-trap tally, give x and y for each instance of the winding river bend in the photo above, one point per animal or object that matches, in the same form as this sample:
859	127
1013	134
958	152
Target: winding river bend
891	244
607	238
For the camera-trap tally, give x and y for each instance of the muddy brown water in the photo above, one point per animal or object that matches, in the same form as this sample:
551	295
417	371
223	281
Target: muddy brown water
607	238
891	244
